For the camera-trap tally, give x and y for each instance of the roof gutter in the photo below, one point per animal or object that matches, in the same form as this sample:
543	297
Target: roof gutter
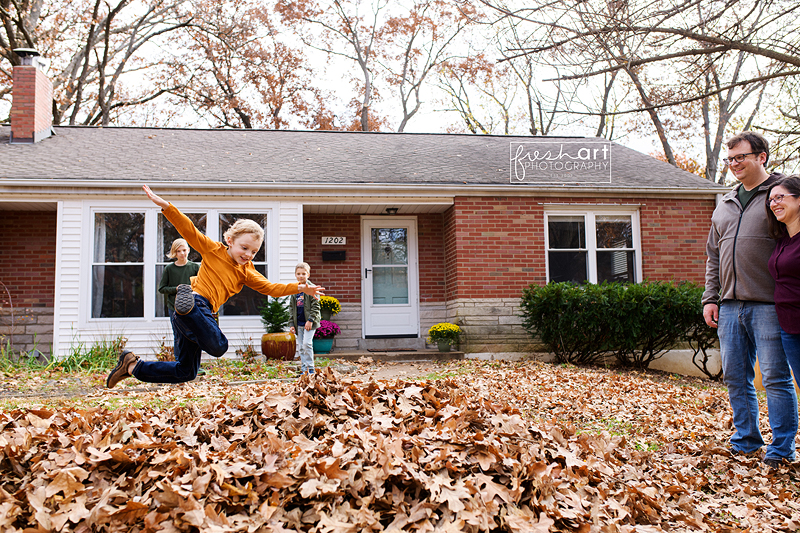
192	188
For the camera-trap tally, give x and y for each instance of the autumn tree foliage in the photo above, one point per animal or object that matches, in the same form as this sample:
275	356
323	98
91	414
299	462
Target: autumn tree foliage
395	48
417	44
481	92
353	120
541	106
345	28
93	48
237	72
684	162
690	73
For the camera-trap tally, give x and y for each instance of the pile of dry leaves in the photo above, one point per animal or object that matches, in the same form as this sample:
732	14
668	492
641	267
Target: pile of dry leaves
507	447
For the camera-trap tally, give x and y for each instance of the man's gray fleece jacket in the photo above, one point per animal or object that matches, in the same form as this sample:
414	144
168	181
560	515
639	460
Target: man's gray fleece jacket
738	249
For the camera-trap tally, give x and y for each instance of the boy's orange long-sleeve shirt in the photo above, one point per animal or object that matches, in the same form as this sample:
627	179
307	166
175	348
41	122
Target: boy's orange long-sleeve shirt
220	277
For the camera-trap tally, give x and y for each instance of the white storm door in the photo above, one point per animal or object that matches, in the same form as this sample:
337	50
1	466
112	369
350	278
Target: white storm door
389	277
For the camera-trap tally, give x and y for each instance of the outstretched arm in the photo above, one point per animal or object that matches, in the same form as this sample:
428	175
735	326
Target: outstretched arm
313	290
185	227
160	202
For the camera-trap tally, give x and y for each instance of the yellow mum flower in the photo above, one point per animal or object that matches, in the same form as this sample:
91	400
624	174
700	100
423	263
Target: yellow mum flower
444	331
330	303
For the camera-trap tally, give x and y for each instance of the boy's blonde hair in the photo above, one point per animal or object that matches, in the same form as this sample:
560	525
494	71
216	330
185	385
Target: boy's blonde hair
173	250
304	266
241	227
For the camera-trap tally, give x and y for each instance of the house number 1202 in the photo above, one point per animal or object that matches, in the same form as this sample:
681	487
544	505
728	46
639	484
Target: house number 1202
334	240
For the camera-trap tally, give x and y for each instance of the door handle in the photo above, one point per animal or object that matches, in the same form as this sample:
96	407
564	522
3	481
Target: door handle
366	272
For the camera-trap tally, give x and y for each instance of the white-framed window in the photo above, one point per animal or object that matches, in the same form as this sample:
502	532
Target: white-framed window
129	253
247	302
593	244
118	265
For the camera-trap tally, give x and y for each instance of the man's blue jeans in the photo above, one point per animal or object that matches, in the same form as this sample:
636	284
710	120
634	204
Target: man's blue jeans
305	346
194	333
744	329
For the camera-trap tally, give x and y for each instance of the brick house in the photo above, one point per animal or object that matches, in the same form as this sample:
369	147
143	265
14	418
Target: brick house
406	230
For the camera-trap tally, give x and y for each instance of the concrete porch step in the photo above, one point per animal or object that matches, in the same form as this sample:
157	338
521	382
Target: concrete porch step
390	356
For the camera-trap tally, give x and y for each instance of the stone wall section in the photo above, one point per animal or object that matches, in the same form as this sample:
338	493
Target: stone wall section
32	329
491	325
349	321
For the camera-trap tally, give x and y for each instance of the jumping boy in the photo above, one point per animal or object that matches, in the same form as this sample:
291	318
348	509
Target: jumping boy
223	272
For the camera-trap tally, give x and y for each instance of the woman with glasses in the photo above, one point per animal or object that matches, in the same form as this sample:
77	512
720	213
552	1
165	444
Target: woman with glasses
783	216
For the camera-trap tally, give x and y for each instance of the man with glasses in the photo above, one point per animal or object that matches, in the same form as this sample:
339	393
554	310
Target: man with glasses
739	301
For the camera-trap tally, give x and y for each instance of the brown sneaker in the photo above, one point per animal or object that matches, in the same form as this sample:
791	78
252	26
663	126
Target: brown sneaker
120	371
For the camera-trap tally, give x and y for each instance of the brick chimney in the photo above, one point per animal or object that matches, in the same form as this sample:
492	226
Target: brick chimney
31	100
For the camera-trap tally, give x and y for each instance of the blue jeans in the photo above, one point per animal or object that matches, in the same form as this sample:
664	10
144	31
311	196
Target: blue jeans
791	345
305	347
194	333
744	329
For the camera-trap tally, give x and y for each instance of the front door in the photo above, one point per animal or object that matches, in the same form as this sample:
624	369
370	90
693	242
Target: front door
389	277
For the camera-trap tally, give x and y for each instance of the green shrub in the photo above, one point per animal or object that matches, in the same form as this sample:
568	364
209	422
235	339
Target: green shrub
569	319
656	317
635	323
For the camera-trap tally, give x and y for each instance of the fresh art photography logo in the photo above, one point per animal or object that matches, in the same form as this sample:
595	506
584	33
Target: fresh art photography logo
576	162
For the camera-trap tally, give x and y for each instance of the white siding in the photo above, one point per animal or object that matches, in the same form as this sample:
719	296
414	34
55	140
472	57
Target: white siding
291	239
68	288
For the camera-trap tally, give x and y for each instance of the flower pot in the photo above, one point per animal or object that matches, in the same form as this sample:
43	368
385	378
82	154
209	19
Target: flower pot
444	346
280	346
323	346
326	314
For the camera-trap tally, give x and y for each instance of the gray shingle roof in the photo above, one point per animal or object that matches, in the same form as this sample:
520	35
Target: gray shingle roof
304	157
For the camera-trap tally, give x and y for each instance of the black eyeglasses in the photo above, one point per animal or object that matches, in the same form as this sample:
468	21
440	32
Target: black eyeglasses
738	158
